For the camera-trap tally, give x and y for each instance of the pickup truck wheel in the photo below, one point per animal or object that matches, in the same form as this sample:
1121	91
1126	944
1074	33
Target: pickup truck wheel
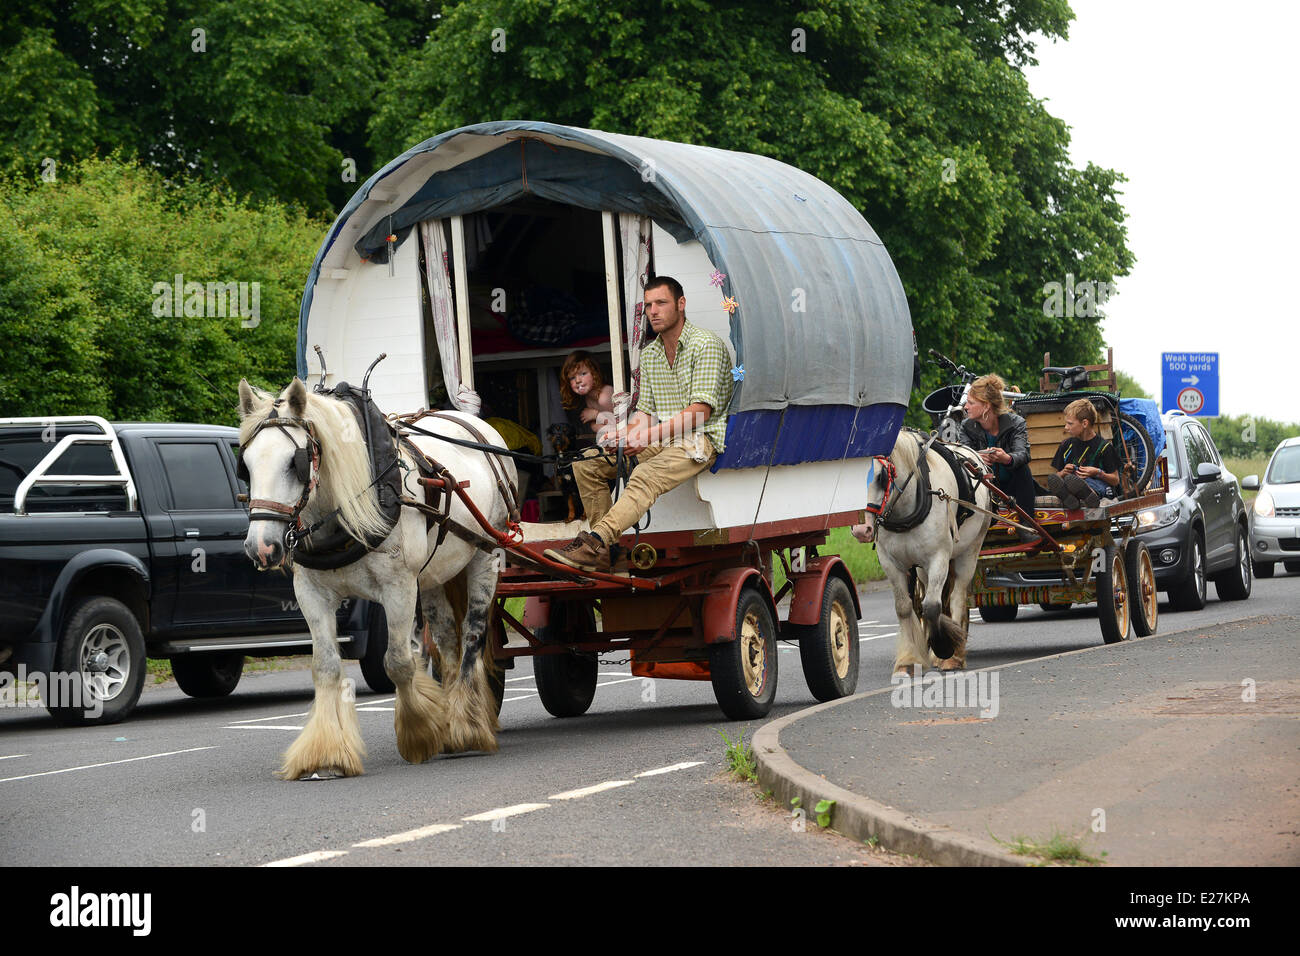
99	664
208	675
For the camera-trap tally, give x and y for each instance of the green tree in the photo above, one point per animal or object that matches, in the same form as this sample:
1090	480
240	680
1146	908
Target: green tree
83	324
269	97
916	111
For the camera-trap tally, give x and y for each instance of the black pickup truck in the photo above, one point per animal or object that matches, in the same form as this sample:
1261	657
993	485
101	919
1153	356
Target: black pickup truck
125	541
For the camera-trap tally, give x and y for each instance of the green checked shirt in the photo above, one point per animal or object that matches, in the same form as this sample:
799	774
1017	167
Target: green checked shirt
701	373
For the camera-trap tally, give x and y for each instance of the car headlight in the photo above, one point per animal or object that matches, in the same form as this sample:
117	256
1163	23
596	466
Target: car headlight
1264	504
1161	517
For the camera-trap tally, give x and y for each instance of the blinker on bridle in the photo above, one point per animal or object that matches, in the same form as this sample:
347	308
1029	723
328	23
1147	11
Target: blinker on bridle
306	465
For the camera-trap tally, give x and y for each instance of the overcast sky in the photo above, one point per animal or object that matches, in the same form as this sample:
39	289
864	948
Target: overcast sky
1196	103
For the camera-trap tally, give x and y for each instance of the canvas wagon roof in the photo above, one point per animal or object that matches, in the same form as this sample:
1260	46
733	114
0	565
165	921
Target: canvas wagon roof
821	317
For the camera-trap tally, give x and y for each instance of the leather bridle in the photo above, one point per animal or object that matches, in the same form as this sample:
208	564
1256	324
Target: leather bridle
306	461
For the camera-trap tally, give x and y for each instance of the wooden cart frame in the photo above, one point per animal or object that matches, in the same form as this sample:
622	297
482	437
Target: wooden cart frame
700	606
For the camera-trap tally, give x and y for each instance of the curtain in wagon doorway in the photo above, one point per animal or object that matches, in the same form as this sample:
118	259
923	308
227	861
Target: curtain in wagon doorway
634	238
437	274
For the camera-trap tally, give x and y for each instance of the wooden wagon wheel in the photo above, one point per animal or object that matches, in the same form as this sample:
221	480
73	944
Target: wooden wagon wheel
1113	604
744	670
828	650
1143	592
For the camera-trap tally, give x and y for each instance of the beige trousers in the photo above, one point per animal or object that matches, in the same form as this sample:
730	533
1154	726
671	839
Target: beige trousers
659	469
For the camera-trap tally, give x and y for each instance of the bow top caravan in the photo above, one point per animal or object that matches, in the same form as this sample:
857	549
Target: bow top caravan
481	258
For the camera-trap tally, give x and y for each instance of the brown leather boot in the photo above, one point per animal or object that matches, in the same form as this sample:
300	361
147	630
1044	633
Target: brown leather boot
586	552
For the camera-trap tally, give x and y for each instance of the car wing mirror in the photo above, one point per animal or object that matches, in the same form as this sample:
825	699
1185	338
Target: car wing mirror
1207	471
1250	483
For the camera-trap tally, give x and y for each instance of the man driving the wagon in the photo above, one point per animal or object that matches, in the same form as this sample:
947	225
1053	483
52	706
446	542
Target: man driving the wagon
677	431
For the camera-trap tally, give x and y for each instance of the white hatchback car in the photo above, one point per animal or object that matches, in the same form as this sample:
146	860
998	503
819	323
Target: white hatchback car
1275	518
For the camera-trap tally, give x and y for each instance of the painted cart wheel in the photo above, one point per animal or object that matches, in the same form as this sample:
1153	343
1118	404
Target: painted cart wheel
744	670
1144	595
1113	604
828	649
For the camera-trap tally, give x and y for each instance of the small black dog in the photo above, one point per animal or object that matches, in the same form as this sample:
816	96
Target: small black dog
562	439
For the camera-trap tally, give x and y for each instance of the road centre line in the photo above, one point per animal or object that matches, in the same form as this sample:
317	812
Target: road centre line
257	720
500	813
410	836
677	766
588	791
314	857
255	727
14	756
108	763
877	637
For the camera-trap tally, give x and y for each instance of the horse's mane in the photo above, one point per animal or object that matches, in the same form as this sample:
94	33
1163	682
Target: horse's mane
905	453
344	464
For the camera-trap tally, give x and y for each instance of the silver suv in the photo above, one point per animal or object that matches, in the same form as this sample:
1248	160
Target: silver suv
1275	519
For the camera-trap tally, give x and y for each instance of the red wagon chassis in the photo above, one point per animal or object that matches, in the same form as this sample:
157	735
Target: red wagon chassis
705	590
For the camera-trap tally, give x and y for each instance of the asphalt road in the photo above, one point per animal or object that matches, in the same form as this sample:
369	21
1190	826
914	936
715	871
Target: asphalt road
638	780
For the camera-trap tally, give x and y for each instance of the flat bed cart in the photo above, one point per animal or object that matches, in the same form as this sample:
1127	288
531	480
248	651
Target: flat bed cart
1089	555
1094	555
693	606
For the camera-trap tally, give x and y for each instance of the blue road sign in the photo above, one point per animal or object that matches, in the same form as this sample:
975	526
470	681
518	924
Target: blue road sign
1190	383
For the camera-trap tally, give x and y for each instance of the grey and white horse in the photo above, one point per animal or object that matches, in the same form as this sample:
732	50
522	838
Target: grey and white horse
929	565
305	460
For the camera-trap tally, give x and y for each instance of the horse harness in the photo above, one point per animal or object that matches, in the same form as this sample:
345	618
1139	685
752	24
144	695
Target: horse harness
326	545
925	494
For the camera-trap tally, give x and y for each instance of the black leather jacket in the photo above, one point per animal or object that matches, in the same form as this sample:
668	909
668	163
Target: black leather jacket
1013	437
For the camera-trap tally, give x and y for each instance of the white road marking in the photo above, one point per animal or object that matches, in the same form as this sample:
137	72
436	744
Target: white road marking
588	791
108	763
877	637
258	720
282	727
315	857
374	710
508	700
525	677
676	766
410	836
14	756
623	681
500	813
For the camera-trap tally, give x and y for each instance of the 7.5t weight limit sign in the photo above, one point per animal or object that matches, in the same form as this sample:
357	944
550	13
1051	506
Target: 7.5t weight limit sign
1190	383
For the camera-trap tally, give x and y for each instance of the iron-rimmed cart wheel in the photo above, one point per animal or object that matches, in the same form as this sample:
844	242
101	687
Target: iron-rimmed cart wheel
1144	595
214	674
1113	602
828	649
566	683
998	613
744	670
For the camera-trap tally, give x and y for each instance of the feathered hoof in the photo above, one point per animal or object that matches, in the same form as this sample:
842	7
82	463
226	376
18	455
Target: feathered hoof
471	720
330	744
952	664
419	718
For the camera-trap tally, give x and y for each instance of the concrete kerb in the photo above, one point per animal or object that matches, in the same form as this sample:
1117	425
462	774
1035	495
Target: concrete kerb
861	818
